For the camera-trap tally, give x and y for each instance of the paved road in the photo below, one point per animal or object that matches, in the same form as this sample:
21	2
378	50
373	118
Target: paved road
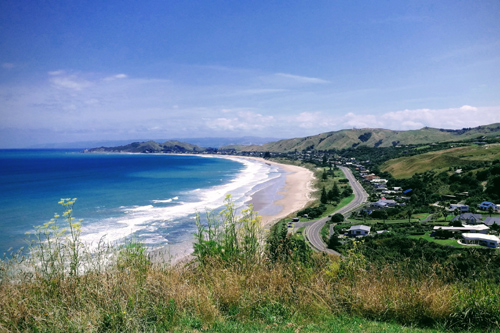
313	230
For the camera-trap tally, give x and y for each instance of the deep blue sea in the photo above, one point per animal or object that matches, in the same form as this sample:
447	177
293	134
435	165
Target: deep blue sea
151	197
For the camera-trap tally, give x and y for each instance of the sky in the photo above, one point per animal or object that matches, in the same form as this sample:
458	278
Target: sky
74	71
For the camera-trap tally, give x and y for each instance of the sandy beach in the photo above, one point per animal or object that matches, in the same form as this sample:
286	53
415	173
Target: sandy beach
294	195
296	192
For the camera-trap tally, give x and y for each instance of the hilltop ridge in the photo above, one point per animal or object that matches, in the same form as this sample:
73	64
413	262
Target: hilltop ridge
372	137
171	146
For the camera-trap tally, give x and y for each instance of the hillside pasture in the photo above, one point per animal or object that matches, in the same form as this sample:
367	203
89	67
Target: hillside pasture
405	167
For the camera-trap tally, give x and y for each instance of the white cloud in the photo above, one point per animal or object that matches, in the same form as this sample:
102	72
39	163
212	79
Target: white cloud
58	72
112	105
300	79
449	118
243	121
60	79
116	77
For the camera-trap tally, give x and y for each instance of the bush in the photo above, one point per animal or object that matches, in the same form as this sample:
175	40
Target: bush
312	212
337	218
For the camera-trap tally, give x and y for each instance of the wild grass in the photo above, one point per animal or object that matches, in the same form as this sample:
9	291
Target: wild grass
217	290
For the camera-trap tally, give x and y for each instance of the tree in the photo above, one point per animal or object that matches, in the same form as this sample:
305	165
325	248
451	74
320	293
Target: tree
364	215
325	175
347	192
490	210
383	215
337	218
334	193
409	213
334	242
325	159
324	196
456	223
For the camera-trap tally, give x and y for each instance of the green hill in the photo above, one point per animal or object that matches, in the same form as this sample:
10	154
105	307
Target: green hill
405	167
171	146
375	138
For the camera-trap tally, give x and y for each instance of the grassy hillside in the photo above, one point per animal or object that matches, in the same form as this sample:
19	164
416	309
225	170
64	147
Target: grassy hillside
171	146
375	138
405	167
240	281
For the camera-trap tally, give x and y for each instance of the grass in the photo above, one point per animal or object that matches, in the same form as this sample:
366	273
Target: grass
405	167
445	242
328	324
233	286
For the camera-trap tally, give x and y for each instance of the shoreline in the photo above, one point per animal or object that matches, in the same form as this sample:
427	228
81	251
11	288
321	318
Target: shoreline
296	193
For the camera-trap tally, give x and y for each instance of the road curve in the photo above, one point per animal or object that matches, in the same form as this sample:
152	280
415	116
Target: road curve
313	231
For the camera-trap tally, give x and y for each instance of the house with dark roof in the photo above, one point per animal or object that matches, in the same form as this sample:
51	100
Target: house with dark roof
492	220
469	218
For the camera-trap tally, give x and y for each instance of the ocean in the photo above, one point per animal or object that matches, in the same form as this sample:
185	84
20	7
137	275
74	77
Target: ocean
153	198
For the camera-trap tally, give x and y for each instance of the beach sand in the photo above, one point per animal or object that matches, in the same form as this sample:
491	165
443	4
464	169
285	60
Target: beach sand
294	195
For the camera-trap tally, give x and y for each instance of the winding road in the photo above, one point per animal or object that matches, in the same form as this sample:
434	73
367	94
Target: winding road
313	229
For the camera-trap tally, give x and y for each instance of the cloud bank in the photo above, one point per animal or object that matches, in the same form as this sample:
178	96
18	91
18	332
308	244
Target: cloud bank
74	106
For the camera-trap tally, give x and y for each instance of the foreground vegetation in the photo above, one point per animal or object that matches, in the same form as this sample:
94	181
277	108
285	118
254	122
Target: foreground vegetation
239	280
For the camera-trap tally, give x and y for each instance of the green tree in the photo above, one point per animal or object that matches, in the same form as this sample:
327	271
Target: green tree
364	215
334	193
324	196
337	218
490	210
409	213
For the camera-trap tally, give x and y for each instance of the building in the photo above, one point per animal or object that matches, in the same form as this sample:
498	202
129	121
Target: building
469	218
492	220
480	228
359	230
480	239
461	208
486	204
384	203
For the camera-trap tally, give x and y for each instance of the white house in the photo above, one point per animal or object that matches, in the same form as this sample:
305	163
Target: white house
359	230
480	228
480	239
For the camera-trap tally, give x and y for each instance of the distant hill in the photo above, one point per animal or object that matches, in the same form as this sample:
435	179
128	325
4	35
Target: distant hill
373	138
171	146
202	142
405	167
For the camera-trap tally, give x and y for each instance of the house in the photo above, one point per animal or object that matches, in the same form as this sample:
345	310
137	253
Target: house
484	240
384	203
469	218
461	208
486	204
492	220
480	228
359	230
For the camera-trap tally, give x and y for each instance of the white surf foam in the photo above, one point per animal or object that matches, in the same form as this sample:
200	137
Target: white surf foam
138	219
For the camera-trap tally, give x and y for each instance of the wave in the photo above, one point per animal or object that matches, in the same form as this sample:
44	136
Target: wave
165	201
150	221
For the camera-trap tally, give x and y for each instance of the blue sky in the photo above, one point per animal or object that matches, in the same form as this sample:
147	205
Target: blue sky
111	70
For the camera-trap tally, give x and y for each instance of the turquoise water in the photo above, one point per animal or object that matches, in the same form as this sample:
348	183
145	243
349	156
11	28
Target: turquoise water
152	197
